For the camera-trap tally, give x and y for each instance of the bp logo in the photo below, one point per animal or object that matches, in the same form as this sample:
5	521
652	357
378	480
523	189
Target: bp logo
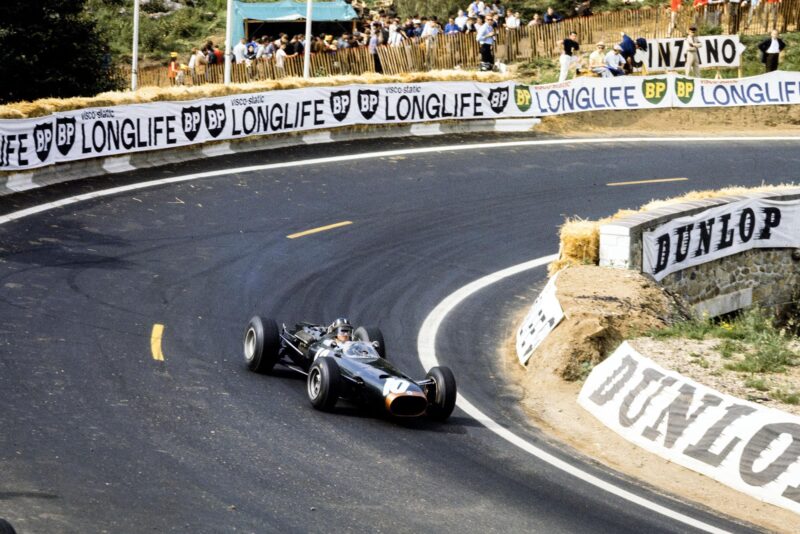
191	118
522	97
368	102
340	104
684	89
498	98
43	140
215	119
654	90
66	129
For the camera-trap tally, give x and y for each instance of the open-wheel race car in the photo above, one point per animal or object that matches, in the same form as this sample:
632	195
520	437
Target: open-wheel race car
340	362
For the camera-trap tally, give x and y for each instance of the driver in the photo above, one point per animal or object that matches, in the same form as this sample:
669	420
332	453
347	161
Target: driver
341	331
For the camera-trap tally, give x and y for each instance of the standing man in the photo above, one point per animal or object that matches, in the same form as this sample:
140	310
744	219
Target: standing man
692	45
674	9
734	15
771	11
771	49
173	67
239	51
485	38
568	56
374	41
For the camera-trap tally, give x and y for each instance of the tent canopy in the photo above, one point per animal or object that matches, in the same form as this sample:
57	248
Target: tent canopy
287	11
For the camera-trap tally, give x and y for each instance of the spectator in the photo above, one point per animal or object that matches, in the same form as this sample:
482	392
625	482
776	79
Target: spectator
280	59
451	27
699	10
344	41
239	51
512	20
536	20
628	48
499	11
674	8
485	38
771	10
584	9
552	16
771	49
734	15
597	61
461	20
692	46
173	68
373	50
192	65
471	26
201	67
569	58
220	58
751	10
614	61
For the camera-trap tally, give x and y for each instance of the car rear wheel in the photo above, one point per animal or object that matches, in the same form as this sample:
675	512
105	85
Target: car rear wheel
6	528
323	383
371	334
443	400
262	344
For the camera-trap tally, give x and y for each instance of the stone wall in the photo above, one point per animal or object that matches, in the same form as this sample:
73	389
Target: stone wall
769	277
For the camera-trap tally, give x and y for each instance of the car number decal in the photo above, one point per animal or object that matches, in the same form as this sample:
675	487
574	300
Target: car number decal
395	385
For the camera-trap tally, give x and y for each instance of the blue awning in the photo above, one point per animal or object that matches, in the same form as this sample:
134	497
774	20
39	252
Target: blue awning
288	11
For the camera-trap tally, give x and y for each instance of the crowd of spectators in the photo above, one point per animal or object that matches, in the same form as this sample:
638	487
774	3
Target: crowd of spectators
380	29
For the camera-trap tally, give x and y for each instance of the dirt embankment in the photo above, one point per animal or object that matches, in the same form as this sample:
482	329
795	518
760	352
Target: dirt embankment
754	120
602	307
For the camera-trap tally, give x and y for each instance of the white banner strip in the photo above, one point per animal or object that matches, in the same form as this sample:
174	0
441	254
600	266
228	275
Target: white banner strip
107	131
544	316
744	445
720	232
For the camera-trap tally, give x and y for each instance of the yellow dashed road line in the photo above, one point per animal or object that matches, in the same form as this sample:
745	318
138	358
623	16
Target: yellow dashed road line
320	229
155	342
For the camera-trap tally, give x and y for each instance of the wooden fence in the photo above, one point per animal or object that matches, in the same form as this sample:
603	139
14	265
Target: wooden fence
460	51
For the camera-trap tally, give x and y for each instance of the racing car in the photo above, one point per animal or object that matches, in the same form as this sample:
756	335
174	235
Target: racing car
338	366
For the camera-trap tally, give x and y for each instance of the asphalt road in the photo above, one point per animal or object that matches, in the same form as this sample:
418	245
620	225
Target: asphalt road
98	436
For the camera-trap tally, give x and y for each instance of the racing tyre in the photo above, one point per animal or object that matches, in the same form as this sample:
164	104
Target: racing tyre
6	528
444	398
323	384
370	334
262	344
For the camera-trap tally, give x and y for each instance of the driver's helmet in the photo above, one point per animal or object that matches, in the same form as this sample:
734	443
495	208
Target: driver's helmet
341	326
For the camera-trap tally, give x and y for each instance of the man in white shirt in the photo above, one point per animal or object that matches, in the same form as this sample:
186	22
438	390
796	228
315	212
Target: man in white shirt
280	58
597	61
512	20
771	49
239	51
461	19
614	61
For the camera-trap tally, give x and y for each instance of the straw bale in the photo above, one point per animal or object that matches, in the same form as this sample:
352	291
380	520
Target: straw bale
47	106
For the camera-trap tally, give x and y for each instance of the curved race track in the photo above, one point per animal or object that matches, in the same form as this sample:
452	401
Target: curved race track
98	436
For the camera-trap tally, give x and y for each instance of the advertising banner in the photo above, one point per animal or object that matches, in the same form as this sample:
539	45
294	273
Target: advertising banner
108	131
720	232
716	51
775	88
749	447
544	316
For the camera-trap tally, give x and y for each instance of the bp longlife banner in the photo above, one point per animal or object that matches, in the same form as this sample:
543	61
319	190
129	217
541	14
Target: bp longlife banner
749	447
720	232
108	131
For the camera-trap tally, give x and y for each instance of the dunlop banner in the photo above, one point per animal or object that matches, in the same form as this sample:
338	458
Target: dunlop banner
108	131
749	447
719	232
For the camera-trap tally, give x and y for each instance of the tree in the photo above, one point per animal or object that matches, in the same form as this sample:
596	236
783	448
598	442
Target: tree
51	48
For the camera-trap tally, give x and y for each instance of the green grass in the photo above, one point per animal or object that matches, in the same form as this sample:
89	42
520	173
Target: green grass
787	397
765	348
756	383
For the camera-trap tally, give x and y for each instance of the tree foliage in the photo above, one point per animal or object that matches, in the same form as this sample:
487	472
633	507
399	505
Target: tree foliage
50	48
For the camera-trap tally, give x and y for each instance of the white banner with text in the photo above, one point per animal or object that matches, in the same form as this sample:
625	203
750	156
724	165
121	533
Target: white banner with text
749	447
719	232
114	130
543	317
